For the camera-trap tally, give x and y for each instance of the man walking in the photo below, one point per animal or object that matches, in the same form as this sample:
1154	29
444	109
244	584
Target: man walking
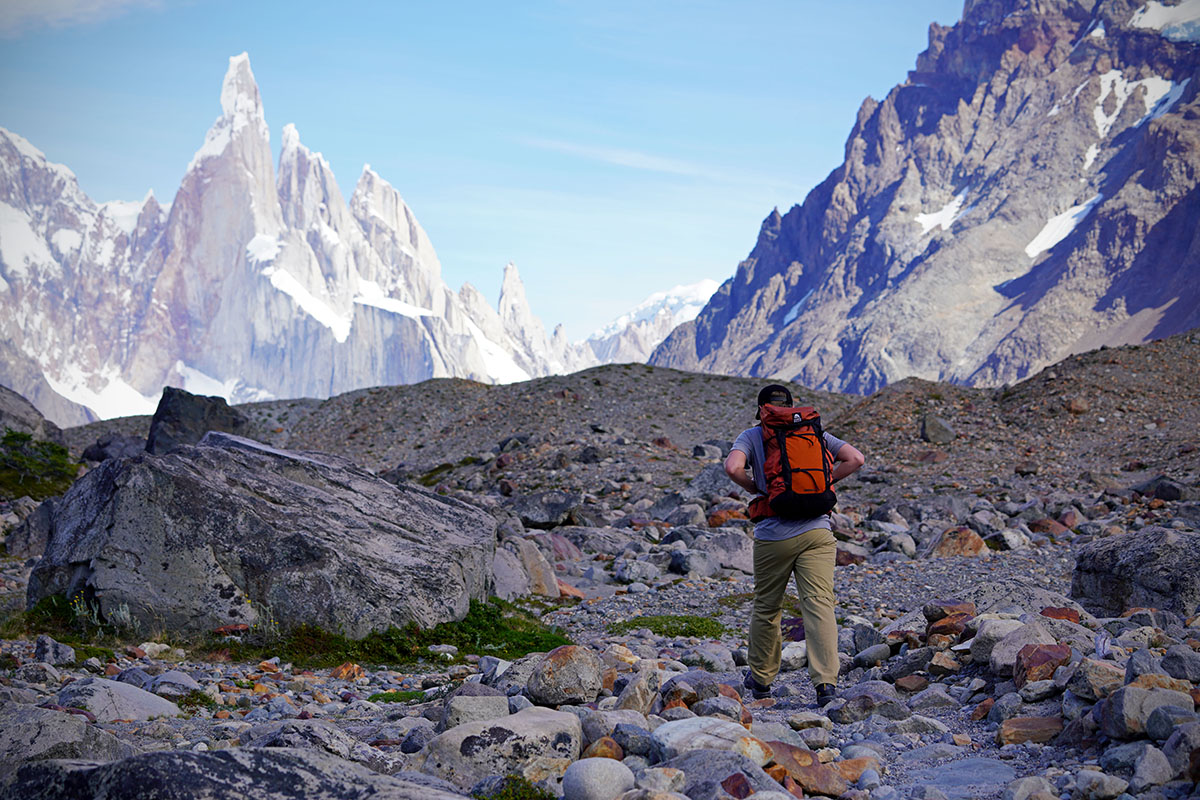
784	548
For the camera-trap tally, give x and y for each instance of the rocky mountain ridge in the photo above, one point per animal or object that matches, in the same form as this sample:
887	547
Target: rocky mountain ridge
1028	192
256	282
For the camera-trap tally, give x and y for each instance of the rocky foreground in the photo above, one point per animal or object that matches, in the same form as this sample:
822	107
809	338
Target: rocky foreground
1018	587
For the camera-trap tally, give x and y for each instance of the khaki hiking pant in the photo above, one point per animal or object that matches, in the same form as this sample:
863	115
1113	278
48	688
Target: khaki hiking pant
810	558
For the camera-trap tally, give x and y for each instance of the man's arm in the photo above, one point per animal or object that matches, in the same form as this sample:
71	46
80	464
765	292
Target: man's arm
735	468
847	462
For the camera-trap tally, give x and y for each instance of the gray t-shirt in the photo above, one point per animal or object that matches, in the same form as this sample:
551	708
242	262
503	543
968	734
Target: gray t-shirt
774	529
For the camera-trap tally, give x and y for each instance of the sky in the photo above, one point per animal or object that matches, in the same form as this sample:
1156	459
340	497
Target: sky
610	149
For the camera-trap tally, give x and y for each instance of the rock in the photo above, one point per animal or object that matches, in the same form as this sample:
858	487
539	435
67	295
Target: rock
543	580
315	734
1096	680
1180	662
468	753
1182	744
793	656
1024	788
688	514
1037	662
933	697
1163	721
936	430
114	445
48	651
873	655
509	579
598	724
707	773
109	700
1151	569
729	550
628	570
957	541
567	674
261	773
1093	785
208	535
673	739
711	480
545	510
173	684
1037	691
1003	657
632	739
806	769
183	418
596	779
1017	730
966	777
461	709
862	704
640	692
20	415
916	724
1150	769
1123	715
28	733
28	540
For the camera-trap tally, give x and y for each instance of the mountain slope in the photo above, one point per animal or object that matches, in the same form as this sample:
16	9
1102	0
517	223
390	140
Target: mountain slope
1029	192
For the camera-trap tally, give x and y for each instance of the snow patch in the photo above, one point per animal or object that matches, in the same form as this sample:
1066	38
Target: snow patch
370	294
1059	227
116	399
1098	33
795	310
33	154
316	308
944	217
66	240
123	213
263	248
684	303
1179	23
232	390
20	246
497	361
1160	94
1089	157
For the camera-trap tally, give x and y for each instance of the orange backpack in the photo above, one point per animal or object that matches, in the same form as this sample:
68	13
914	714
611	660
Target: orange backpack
798	467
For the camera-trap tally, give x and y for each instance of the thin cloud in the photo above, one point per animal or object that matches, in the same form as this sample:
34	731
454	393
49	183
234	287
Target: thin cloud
20	16
635	159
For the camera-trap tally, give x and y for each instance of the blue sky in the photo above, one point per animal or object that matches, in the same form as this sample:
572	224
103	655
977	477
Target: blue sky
610	149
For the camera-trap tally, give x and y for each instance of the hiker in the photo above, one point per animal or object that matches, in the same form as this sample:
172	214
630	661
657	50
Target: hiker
787	545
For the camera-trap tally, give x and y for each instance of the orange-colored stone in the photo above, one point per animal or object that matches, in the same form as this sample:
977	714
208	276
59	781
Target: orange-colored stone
267	666
961	739
766	702
805	768
1195	693
852	768
1056	612
747	719
1047	525
222	714
135	652
608	677
983	708
943	663
776	771
320	697
1156	680
686	695
346	672
718	519
604	747
232	630
112	669
1037	662
1018	730
737	785
960	541
567	590
945	608
949	625
912	683
725	690
261	688
676	703
940	641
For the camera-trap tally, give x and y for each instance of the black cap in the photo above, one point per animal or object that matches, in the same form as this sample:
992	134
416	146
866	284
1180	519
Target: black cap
774	395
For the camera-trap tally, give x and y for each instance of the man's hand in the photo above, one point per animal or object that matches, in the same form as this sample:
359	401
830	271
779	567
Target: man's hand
735	468
848	461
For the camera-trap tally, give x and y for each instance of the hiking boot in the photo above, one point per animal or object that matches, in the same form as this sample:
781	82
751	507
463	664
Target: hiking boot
826	694
757	690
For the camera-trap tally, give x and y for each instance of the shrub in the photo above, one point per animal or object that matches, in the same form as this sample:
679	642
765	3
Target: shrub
672	625
34	468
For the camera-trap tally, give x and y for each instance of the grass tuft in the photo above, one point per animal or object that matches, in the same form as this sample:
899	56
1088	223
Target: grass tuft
516	788
34	468
672	625
397	696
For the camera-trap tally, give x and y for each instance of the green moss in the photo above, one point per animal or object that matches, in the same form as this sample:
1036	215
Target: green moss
34	468
195	700
516	788
493	628
434	475
396	696
790	602
672	625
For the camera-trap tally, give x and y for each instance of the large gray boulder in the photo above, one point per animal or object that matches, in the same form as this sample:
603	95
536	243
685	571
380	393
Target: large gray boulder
468	753
266	773
18	414
1153	568
29	538
29	733
315	734
184	418
112	700
232	531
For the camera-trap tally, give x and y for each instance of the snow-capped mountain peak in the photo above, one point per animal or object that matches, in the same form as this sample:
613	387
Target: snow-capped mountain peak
682	303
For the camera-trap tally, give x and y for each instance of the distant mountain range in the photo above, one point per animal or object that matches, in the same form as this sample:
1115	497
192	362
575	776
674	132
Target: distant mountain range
1031	191
255	283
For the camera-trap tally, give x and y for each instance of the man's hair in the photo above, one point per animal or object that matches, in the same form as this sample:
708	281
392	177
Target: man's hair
773	395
